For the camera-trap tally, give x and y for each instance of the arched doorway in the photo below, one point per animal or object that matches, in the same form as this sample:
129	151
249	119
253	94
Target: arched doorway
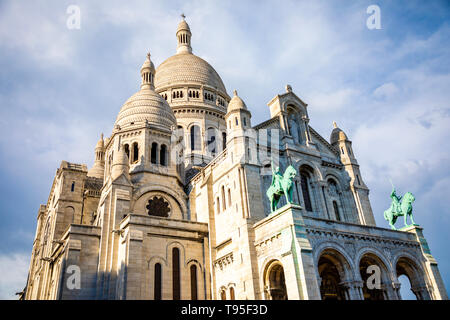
333	270
374	276
274	282
408	273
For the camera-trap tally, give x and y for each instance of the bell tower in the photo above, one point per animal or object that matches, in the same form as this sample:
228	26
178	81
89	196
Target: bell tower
340	141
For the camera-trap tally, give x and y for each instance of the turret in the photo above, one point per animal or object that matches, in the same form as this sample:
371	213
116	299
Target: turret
340	142
240	140
237	117
120	164
98	169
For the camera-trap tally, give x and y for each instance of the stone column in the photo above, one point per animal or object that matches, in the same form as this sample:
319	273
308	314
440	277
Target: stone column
437	289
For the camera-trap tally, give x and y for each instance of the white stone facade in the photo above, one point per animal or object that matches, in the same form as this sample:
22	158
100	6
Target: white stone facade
175	205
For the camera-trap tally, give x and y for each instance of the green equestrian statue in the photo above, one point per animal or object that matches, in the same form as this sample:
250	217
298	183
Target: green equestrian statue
281	184
400	206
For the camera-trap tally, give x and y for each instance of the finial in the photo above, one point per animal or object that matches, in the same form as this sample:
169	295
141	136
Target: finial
101	136
235	92
148	55
183	16
288	88
334	124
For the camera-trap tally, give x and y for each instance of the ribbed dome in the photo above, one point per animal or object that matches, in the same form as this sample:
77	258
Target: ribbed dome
236	103
144	105
337	134
187	68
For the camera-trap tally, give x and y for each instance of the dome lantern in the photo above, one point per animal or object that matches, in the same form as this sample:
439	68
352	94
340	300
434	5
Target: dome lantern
148	74
184	37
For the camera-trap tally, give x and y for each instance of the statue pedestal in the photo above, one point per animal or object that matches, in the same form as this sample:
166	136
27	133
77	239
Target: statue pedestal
286	224
439	291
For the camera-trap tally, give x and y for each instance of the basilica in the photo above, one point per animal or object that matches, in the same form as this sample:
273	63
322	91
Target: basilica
175	205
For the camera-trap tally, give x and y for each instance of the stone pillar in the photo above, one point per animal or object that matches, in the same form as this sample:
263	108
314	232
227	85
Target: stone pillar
396	287
437	289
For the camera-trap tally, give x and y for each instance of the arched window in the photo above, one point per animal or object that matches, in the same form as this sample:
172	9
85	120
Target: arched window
231	293
194	282
224	140
336	211
229	197
304	181
211	141
157	282
218	204
176	274
195	138
163	155
72	188
127	151
154	151
223	294
135	152
224	205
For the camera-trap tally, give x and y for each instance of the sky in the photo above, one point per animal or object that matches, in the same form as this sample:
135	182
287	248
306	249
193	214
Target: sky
387	88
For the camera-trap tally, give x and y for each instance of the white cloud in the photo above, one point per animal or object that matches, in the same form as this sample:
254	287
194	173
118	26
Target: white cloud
13	274
386	90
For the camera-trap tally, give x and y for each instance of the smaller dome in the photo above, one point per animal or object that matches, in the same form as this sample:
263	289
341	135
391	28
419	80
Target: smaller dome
236	103
337	134
146	106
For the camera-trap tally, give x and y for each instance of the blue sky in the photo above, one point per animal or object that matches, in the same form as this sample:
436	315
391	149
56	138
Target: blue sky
388	89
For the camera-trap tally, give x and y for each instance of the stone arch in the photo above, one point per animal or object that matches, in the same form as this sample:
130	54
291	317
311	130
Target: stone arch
150	282
69	216
407	265
367	257
274	281
317	172
195	137
307	185
340	250
195	284
334	273
179	245
178	199
295	105
222	293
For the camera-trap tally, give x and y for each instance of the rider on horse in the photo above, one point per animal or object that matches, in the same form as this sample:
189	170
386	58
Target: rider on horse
396	202
276	178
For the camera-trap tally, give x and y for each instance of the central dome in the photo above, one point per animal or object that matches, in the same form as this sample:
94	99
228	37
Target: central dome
185	68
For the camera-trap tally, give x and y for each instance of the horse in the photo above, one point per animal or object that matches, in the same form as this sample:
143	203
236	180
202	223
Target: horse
274	193
406	210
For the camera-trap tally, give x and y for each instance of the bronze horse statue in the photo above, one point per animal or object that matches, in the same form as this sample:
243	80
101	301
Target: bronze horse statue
400	206
281	184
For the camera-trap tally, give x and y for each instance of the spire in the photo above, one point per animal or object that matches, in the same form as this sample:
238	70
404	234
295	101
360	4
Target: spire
334	124
148	74
98	168
183	36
